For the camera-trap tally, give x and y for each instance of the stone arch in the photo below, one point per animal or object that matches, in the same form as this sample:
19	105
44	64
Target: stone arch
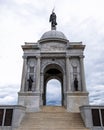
46	63
52	71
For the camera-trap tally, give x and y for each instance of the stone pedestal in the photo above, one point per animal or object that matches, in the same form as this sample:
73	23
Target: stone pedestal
75	100
31	100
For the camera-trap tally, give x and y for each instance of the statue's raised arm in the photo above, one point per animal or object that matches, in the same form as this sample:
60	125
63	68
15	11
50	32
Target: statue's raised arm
53	21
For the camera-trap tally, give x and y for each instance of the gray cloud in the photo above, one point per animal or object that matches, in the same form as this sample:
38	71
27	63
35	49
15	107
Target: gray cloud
8	94
96	95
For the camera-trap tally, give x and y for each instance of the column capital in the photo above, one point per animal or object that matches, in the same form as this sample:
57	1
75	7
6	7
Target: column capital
68	57
82	56
24	57
38	57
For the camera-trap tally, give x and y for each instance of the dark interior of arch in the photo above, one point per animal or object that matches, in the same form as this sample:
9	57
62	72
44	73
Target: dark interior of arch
53	71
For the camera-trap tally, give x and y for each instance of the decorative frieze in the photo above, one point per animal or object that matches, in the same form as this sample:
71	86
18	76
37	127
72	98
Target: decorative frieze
51	55
53	46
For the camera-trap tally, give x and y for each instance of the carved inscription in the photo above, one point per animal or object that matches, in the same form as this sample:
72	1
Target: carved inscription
52	46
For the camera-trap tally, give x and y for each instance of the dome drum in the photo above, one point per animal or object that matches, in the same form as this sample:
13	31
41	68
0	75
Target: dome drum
53	35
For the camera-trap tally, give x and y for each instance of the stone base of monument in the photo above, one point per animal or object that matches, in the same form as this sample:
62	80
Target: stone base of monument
31	100
75	100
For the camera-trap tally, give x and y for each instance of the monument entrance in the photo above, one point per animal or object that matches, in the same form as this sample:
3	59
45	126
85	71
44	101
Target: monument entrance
52	71
53	93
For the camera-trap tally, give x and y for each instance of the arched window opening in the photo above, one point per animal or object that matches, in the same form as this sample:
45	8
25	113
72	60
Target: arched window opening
54	93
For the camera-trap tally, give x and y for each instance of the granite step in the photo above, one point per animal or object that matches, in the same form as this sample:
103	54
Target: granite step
52	118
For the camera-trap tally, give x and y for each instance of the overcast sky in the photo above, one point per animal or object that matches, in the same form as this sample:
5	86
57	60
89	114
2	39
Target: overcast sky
26	20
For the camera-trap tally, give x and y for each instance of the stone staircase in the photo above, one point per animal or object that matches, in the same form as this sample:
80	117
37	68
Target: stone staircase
52	118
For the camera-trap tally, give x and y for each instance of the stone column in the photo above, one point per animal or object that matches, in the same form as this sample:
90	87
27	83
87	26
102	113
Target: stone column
82	74
41	88
68	73
38	74
24	72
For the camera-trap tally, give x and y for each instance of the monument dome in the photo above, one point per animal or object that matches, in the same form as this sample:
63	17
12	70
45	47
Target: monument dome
53	35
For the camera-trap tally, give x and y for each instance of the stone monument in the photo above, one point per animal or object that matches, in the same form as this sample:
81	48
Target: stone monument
53	52
53	56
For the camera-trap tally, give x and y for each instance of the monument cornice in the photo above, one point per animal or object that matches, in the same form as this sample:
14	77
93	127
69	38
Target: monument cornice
57	55
73	56
29	93
28	47
27	55
52	52
77	93
71	46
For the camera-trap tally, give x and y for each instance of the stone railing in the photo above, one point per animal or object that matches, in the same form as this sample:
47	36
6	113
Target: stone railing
93	116
11	116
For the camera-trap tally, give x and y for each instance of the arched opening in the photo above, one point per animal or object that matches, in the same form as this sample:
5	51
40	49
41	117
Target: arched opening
53	93
52	73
